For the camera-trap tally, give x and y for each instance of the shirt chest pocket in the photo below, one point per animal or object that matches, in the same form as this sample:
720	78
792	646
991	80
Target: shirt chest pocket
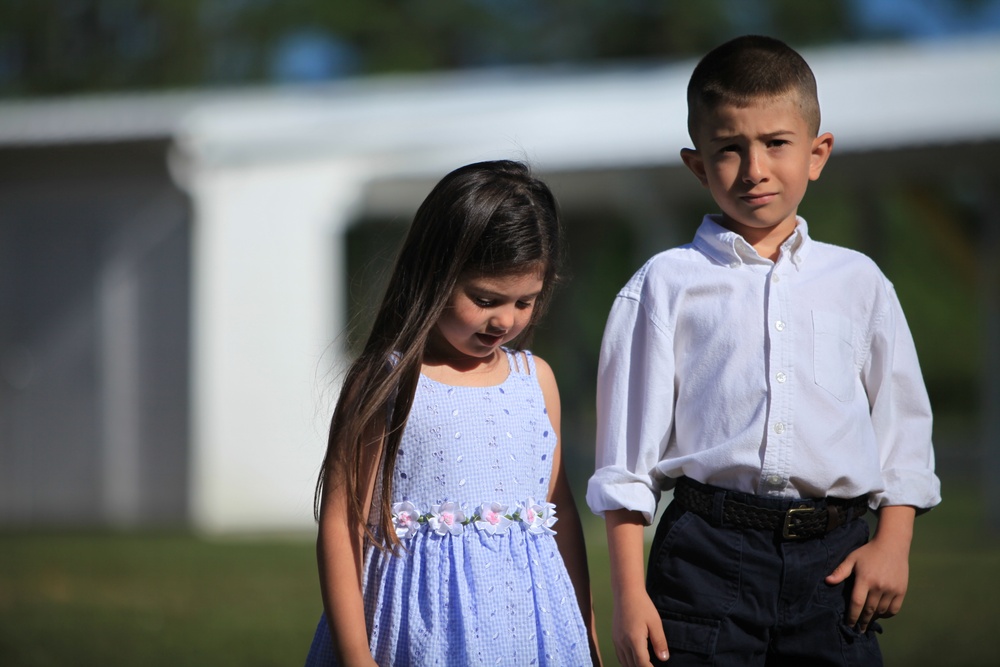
833	354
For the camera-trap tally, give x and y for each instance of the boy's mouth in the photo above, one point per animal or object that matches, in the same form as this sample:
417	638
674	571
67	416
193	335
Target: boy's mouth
759	199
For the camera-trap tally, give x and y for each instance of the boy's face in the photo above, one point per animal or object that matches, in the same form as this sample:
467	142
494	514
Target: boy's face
757	161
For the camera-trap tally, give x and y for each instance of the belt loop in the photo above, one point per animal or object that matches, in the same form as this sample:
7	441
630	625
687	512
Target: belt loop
836	516
718	507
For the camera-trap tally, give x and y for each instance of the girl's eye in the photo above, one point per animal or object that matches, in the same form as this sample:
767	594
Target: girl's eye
523	305
482	303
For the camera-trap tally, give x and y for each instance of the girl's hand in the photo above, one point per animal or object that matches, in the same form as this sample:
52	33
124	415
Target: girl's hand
363	660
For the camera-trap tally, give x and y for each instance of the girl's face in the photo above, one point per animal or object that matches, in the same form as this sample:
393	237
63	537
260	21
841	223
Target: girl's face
483	313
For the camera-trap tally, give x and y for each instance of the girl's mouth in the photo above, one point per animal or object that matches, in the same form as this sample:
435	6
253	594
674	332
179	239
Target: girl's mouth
489	339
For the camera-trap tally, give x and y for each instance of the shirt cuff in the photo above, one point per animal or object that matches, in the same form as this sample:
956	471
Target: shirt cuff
616	488
918	488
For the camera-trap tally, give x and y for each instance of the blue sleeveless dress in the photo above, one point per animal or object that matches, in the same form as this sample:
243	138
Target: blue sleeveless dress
479	580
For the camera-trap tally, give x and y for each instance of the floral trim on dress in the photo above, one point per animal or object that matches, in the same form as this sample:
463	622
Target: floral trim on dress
491	518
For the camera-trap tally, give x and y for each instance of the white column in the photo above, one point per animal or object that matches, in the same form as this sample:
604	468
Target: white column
268	317
120	383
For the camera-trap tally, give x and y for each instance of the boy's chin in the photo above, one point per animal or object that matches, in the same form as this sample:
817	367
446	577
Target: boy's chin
743	222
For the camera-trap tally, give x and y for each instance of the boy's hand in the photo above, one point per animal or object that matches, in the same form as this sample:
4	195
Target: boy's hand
880	569
635	625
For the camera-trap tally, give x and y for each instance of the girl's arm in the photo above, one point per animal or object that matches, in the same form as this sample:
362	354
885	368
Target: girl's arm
569	536
340	556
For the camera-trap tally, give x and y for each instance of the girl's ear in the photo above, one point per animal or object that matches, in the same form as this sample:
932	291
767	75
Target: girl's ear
821	148
692	158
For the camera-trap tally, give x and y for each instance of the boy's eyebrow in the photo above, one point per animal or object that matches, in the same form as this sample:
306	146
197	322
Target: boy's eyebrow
734	137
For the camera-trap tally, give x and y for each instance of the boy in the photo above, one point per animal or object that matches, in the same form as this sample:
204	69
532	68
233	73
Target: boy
771	381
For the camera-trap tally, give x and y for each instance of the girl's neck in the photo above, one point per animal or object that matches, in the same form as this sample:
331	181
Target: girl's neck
467	371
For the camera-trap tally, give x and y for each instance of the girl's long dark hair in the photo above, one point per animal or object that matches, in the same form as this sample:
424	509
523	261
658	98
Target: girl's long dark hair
489	218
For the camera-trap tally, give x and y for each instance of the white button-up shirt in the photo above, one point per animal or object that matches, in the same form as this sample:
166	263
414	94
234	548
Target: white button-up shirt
795	378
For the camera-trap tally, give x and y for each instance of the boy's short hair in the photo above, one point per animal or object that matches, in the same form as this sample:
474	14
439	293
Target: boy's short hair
747	69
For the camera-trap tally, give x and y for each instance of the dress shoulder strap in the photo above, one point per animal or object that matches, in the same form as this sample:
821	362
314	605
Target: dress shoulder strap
521	361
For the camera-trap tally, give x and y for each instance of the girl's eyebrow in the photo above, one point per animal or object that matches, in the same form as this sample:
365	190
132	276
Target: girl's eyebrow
482	291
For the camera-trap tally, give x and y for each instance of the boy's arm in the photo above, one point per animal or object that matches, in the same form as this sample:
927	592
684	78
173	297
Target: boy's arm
635	384
636	624
635	389
900	410
901	419
880	568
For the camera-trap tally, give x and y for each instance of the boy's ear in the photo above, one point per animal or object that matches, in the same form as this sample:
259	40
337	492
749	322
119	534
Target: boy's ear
692	159
821	148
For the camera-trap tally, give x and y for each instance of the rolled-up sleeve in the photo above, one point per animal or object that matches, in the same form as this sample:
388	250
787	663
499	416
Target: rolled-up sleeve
635	398
900	413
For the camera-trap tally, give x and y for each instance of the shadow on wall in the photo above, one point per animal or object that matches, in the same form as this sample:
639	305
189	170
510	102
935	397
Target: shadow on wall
94	302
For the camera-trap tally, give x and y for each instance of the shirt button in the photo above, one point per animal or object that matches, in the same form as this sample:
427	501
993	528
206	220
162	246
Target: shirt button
775	480
779	428
734	265
779	325
780	376
796	259
775	278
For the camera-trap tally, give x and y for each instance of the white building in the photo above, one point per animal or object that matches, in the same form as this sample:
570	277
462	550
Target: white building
172	266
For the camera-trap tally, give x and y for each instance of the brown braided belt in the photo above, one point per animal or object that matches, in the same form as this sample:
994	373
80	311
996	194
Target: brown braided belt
800	520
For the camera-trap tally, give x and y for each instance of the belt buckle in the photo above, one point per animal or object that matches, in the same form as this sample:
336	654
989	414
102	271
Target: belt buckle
792	520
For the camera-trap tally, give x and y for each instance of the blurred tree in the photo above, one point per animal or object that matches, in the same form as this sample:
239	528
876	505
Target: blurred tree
71	46
85	45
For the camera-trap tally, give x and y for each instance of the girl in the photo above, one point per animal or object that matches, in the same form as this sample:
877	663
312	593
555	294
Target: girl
443	469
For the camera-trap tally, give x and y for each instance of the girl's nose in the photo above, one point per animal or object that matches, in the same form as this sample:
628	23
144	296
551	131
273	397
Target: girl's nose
502	320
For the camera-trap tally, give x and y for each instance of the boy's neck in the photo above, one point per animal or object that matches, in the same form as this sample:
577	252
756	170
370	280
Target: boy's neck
765	240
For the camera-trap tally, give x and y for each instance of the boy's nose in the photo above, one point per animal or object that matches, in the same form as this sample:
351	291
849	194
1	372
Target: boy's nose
754	171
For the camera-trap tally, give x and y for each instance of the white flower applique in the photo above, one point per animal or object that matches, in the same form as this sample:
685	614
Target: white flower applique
492	518
446	518
405	519
538	518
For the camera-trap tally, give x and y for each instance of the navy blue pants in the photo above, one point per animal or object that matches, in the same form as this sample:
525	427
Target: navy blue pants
741	597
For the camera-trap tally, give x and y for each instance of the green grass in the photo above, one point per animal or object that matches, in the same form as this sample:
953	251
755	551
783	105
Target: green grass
146	599
949	615
173	599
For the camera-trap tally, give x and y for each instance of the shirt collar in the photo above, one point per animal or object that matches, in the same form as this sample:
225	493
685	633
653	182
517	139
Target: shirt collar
729	248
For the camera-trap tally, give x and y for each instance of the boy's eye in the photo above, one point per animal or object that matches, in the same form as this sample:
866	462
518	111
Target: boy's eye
777	143
731	148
